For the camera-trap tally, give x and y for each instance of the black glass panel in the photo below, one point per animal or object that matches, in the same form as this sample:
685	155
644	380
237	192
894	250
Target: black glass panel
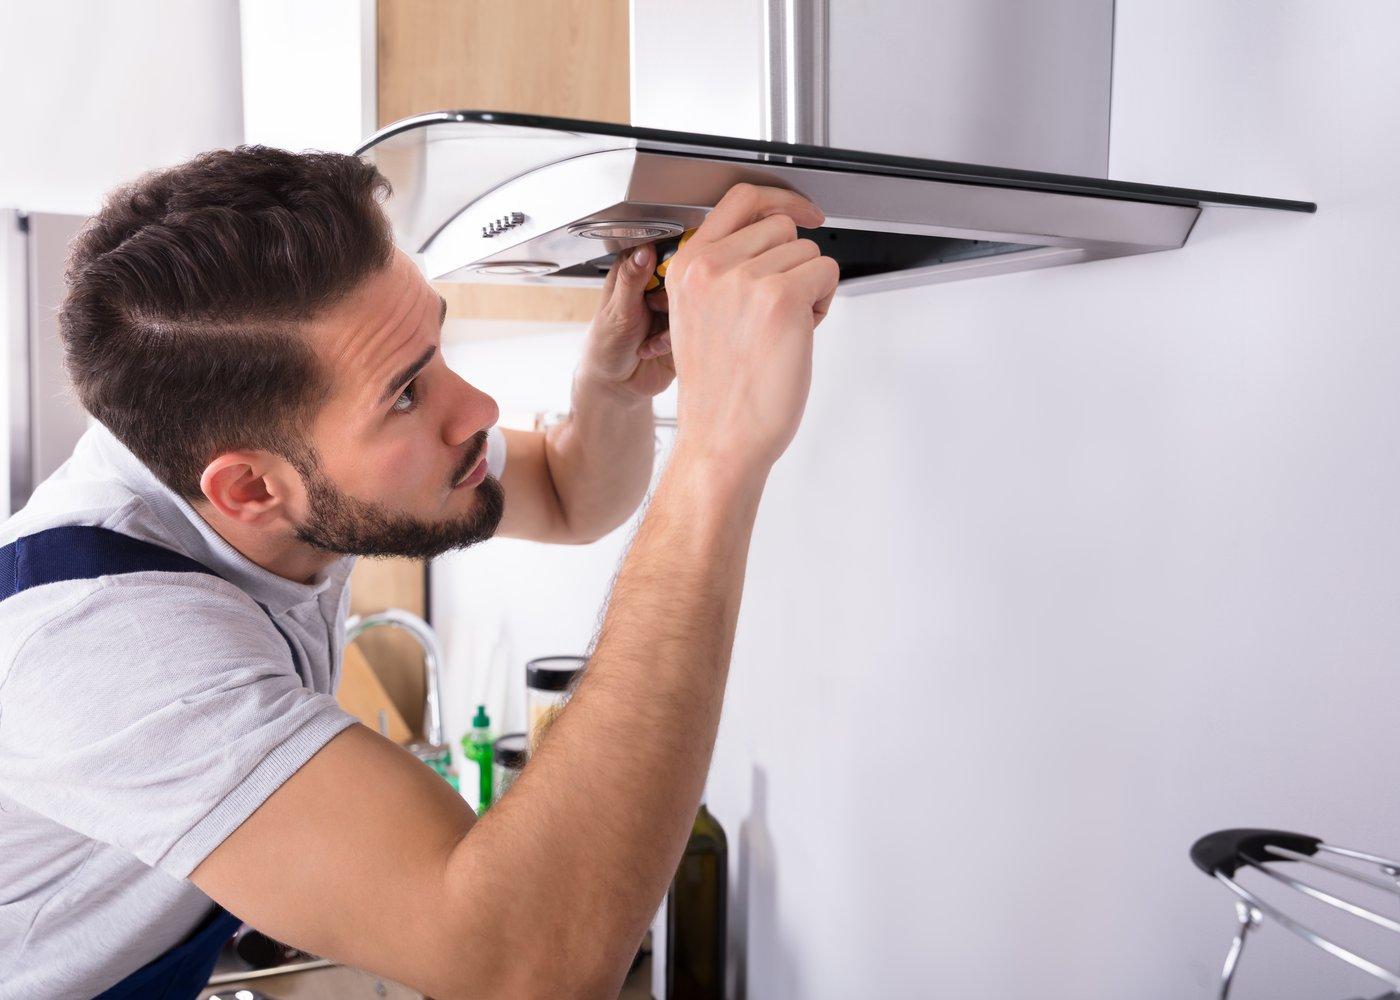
586	135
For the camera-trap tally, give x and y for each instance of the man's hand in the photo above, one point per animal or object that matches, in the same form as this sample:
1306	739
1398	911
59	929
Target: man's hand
628	347
745	295
585	476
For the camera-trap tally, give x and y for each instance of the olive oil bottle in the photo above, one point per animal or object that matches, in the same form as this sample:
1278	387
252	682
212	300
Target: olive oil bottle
688	937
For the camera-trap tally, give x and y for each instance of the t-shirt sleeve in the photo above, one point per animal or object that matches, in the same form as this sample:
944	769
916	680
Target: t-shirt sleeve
496	451
156	713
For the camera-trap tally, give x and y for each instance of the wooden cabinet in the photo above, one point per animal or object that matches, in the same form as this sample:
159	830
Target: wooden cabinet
553	57
397	659
550	57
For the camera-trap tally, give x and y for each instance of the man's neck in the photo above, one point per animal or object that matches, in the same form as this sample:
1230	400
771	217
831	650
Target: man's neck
281	553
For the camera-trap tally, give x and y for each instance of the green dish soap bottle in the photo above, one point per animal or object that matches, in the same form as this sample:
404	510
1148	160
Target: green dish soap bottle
476	746
688	937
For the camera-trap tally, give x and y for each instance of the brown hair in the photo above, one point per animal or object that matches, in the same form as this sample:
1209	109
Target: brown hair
186	290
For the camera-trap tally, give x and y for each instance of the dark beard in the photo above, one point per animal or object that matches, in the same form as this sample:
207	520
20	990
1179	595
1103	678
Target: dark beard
341	523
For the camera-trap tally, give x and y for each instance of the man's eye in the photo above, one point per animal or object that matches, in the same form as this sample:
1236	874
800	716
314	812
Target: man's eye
406	398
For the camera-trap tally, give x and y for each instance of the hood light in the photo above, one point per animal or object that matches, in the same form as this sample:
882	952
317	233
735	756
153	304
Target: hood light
625	230
517	267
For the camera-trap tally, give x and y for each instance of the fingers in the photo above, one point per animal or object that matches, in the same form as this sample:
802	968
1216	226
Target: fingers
746	203
814	281
753	240
610	280
783	257
811	276
628	277
658	341
788	257
658	301
656	346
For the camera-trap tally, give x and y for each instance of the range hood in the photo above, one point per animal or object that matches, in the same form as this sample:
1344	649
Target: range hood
486	196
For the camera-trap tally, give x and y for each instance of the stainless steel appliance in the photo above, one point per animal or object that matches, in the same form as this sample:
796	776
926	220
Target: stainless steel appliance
500	197
45	418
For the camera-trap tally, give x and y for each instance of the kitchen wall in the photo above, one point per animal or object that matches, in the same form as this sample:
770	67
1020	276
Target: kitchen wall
308	73
92	94
500	604
1065	568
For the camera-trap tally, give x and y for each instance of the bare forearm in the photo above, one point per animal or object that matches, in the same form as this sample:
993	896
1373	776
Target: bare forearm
588	839
590	835
600	459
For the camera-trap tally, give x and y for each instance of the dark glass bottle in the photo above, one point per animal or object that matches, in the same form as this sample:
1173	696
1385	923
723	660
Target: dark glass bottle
695	915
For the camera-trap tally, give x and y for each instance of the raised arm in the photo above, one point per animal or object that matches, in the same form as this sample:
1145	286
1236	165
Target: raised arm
585	476
366	857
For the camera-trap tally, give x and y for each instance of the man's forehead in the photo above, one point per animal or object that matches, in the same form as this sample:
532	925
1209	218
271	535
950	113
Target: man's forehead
380	327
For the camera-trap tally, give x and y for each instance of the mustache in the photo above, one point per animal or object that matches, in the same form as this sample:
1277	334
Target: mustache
478	447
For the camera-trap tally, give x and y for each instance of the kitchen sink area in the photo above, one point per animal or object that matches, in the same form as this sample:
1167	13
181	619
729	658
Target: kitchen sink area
307	978
323	982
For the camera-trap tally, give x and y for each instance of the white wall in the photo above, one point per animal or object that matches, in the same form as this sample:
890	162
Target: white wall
1069	567
669	40
92	94
500	604
308	73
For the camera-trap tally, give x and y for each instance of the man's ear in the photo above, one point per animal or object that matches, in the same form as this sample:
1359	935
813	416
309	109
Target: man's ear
251	487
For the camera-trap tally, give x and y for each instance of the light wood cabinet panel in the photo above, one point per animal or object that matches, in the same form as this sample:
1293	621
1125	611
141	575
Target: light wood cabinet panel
568	58
519	302
395	656
363	695
548	57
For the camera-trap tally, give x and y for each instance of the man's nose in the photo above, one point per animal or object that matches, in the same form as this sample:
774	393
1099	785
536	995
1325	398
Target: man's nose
472	412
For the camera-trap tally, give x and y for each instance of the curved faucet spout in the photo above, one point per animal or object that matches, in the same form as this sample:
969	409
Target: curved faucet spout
432	661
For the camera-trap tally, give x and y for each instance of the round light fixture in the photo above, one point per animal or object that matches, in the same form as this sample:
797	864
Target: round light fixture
504	267
625	230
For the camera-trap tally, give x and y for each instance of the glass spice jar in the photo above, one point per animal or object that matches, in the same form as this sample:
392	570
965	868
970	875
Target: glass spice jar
549	681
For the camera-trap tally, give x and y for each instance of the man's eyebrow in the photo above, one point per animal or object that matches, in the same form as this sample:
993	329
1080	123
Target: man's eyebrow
403	377
442	316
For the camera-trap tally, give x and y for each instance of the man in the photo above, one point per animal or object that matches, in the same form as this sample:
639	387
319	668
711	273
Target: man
267	372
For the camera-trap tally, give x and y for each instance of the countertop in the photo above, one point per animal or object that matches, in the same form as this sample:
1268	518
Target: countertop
338	982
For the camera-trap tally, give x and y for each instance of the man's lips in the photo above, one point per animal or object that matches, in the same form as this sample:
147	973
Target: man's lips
475	476
473	467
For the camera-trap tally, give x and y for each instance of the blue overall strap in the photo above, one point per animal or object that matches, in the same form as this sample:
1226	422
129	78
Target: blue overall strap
182	971
84	552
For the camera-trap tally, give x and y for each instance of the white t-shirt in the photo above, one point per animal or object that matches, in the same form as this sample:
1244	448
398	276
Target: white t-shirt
143	717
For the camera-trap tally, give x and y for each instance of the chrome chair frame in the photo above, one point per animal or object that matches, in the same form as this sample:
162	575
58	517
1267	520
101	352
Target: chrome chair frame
1222	854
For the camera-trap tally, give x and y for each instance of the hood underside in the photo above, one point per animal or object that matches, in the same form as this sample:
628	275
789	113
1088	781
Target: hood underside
485	196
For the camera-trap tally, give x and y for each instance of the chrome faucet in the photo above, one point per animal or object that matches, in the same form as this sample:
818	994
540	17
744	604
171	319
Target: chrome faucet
433	746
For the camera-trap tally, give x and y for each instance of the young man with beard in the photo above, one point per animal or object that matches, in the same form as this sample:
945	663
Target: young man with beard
268	376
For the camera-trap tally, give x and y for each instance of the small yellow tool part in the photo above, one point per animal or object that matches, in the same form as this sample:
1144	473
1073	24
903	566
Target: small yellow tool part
663	260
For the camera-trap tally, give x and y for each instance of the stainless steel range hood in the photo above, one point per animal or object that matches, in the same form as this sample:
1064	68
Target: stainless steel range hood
486	196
